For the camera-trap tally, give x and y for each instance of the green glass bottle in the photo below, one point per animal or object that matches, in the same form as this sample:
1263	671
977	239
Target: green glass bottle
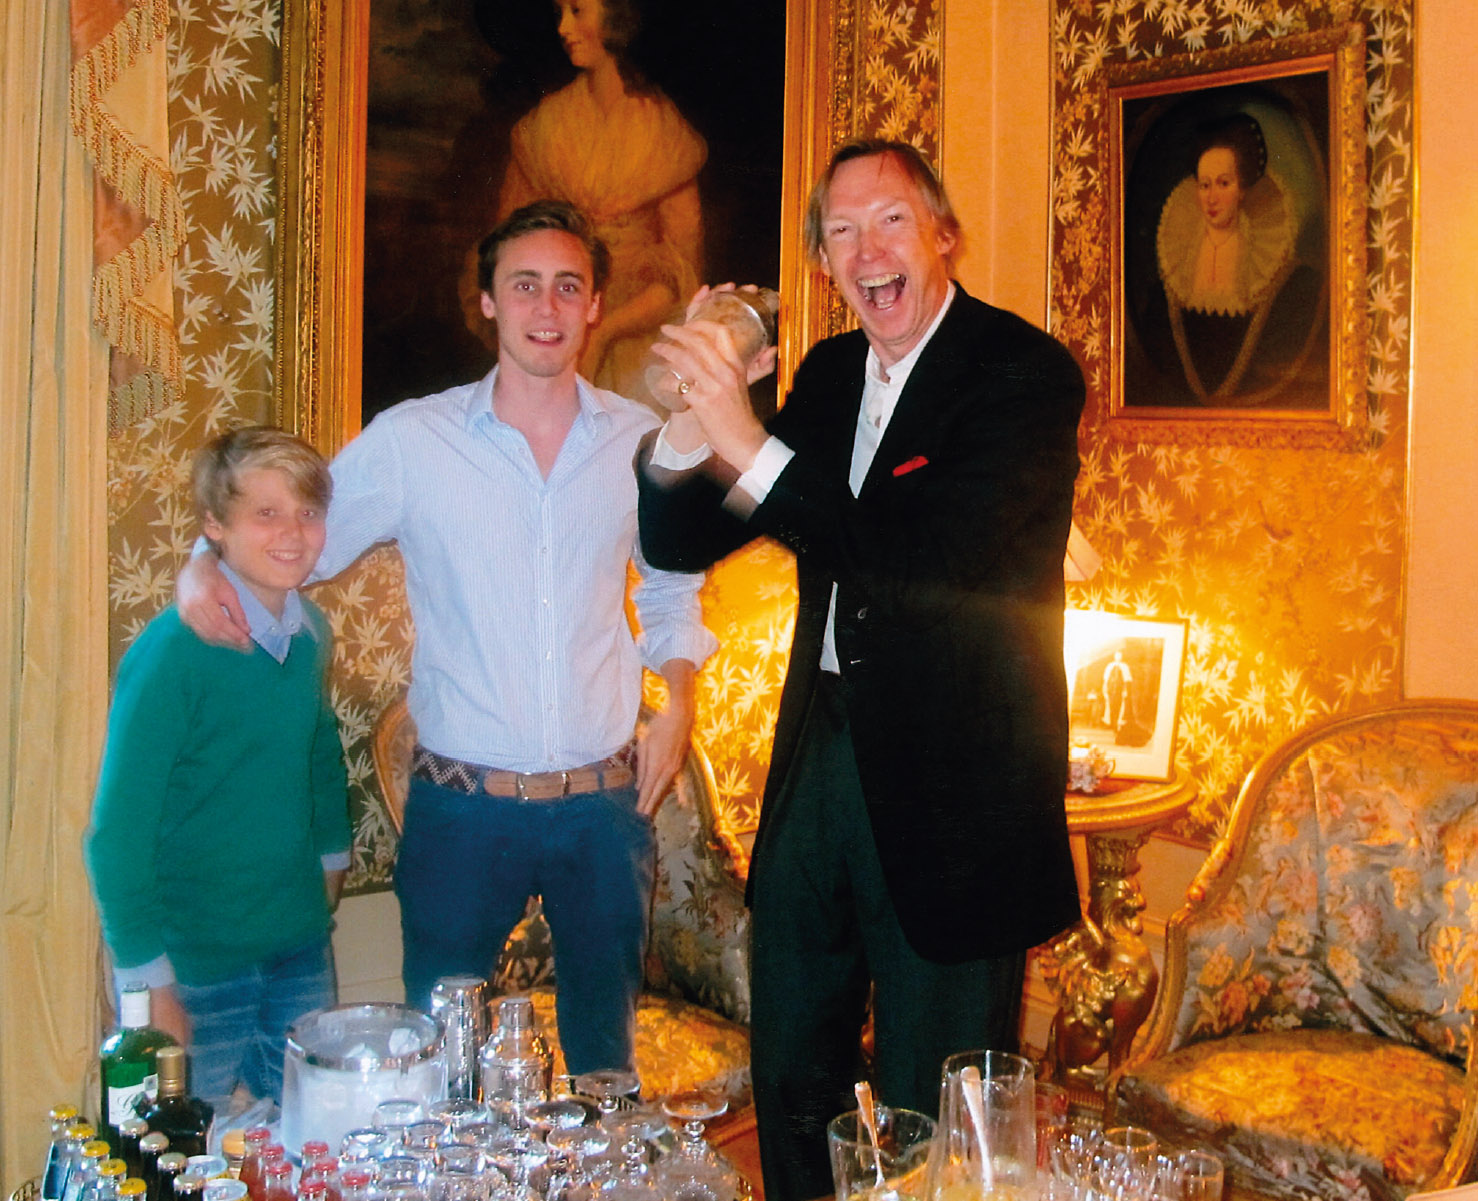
127	1058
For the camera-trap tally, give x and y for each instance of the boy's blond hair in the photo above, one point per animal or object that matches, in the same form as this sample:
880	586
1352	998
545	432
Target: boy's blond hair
221	462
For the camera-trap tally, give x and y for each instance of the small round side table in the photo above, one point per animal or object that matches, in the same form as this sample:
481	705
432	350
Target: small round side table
1101	969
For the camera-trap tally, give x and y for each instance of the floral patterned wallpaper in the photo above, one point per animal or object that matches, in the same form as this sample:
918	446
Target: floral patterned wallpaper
1286	563
224	68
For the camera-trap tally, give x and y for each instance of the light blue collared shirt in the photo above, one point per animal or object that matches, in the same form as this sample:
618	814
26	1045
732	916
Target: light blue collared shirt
523	659
273	634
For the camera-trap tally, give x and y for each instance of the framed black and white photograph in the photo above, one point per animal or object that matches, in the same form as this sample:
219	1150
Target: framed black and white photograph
1124	676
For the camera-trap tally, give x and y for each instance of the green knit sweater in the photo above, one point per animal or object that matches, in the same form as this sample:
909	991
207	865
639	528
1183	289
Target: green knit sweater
222	783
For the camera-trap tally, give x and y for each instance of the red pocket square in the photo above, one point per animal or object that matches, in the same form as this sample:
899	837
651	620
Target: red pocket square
912	464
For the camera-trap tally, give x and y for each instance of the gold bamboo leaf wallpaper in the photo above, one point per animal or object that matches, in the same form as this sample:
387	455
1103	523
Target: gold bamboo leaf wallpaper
224	68
1286	563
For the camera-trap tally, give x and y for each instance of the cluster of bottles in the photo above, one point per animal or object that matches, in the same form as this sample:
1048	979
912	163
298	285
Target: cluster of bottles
150	1134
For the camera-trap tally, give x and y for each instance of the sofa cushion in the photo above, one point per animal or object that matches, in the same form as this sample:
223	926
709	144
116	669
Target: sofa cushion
679	1046
1326	1113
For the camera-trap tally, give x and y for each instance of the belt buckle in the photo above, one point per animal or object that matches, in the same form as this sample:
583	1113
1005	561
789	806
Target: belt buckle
520	788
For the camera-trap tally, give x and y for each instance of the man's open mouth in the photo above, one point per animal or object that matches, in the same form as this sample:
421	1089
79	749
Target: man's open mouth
882	291
547	336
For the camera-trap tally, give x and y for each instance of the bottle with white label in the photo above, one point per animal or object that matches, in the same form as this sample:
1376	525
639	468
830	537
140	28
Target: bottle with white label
127	1062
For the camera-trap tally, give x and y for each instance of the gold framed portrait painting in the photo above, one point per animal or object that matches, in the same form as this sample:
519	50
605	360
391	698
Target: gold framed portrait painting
1237	243
407	132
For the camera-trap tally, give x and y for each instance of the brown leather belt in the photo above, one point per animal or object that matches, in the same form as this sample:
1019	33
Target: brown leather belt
614	771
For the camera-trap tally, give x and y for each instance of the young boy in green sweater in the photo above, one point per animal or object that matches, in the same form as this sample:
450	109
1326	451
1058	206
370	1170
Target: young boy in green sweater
220	833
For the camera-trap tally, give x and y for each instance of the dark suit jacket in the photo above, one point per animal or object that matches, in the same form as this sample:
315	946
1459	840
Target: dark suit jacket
949	613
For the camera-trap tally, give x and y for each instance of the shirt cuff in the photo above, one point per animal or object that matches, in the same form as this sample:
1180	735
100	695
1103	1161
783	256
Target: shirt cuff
335	861
695	643
751	488
664	456
157	973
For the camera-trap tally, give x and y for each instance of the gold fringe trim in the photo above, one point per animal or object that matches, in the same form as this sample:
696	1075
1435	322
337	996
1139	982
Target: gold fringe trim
143	181
141	397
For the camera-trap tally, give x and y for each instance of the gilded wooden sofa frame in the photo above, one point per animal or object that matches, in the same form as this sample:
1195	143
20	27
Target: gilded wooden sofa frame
1219	873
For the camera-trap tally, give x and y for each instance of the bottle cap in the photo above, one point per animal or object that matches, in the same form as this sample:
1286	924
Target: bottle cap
95	1149
189	1184
154	1143
209	1166
257	1134
169	1062
132	1187
112	1167
82	1131
136	1127
225	1189
171	1162
133	1007
63	1113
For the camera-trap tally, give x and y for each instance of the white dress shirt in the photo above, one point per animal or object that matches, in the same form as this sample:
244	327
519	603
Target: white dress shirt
880	393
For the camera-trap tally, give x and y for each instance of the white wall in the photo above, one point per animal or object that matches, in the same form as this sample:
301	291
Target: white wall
997	80
1442	563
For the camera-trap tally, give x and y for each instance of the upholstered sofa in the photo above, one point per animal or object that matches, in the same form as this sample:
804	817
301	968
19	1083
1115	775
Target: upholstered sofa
692	1019
1314	1021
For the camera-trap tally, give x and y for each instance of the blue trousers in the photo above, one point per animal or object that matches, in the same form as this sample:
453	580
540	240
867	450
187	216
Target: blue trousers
466	868
239	1025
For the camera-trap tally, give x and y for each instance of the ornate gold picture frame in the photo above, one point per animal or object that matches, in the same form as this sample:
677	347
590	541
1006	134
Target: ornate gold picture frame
321	177
1237	219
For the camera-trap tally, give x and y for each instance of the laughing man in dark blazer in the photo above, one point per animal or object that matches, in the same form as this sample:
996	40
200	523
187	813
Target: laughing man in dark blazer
913	834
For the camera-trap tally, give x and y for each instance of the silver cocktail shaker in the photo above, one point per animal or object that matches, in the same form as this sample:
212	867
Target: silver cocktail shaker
462	1005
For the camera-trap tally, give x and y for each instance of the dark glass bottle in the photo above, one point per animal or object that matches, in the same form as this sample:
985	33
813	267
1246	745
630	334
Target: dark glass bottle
126	1060
183	1119
170	1166
151	1147
130	1132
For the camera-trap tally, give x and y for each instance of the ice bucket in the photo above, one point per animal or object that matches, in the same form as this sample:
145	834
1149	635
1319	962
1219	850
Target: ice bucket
343	1061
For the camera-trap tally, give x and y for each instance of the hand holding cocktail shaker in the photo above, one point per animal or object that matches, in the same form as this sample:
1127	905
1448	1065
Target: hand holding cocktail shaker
748	314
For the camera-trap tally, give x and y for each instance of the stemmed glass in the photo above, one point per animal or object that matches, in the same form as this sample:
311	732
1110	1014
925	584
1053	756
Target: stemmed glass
570	1149
695	1171
609	1086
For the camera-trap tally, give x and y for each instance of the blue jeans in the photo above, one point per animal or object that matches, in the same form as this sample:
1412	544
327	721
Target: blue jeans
239	1025
466	868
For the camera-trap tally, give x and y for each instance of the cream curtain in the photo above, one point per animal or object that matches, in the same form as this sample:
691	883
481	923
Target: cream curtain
53	557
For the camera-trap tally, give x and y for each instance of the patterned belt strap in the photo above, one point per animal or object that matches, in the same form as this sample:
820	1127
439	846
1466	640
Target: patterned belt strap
614	771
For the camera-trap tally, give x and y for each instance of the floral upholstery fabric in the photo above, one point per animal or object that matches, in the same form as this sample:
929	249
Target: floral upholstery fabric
1349	903
1316	1112
678	1046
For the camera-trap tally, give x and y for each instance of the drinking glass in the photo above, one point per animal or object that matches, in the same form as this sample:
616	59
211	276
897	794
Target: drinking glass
1191	1176
394	1115
694	1171
1124	1162
610	1087
986	1148
892	1169
456	1112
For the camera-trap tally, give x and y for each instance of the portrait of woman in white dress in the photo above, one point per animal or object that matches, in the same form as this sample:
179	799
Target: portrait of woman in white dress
1226	289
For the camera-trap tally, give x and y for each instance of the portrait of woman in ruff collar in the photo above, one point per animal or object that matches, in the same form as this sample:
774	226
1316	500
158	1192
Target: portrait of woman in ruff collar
1226	218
